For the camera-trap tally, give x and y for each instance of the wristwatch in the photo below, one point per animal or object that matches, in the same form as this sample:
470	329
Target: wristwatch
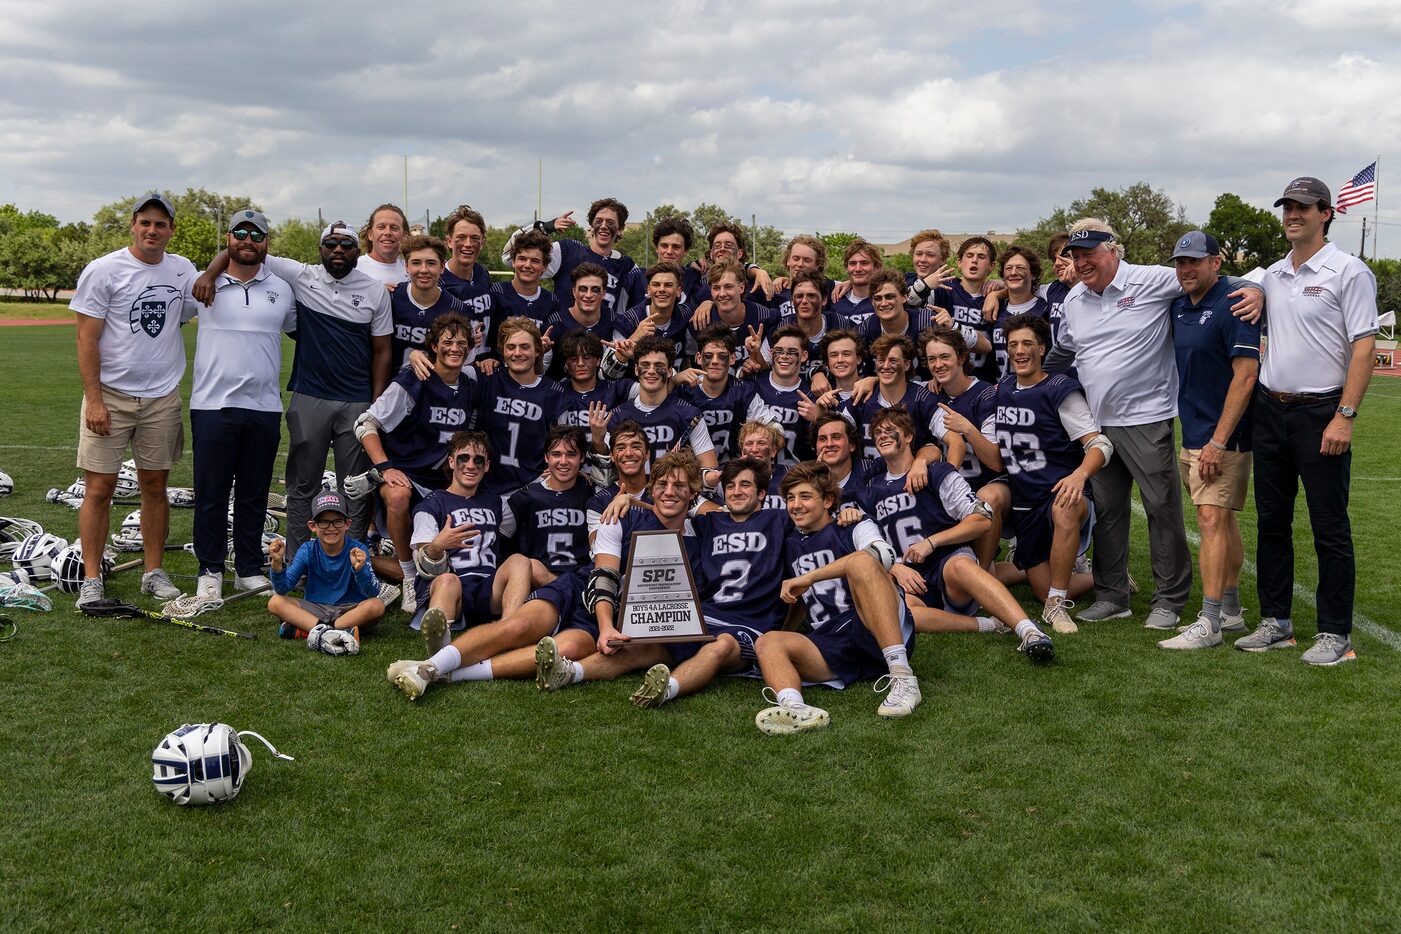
1347	411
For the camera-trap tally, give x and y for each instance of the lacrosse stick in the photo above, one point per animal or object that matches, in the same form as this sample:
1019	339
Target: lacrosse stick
188	606
120	610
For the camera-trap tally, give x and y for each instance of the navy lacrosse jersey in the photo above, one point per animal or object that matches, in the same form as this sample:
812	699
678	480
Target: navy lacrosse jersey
419	418
754	316
783	301
562	322
549	525
739	566
829	605
477	301
938	298
475	562
852	487
624	287
918	320
978	404
411	320
616	539
508	303
831	321
918	401
677	330
575	408
779	405
1037	306
516	419
773	498
671	423
1206	338
1055	293
1036	450
907	518
600	499
966	309
723	414
856	310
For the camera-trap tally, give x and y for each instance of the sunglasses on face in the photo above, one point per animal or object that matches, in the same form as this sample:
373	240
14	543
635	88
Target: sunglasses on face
474	460
257	236
345	243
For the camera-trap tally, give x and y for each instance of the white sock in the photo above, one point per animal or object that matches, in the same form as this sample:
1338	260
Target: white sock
790	697
672	689
409	572
446	660
1026	627
1054	592
986	624
895	657
578	673
481	671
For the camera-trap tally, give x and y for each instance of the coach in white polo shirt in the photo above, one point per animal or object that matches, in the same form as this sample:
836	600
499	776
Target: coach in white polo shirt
1116	330
1321	326
236	406
341	363
129	305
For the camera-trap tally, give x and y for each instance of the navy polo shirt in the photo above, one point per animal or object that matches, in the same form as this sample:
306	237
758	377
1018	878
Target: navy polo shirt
1206	338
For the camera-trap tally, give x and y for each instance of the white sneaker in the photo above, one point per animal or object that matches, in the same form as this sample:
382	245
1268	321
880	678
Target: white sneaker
388	593
90	591
552	670
1199	635
903	696
409	603
792	718
414	680
157	584
210	588
251	582
1057	614
1233	623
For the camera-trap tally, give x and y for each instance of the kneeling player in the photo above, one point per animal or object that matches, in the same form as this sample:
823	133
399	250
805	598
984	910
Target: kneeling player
1051	447
859	627
739	562
943	582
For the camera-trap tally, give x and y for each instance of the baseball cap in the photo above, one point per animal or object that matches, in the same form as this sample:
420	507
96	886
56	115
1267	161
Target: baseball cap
1306	190
252	218
153	197
1088	239
328	501
339	227
1195	245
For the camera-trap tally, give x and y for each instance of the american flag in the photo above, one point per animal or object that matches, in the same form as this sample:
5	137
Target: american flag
1360	189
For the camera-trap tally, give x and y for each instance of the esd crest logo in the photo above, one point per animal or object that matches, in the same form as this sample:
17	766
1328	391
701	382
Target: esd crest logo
153	308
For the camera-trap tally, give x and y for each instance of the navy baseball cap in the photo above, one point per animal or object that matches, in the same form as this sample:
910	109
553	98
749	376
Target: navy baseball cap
156	198
1306	190
1196	244
252	218
328	501
1088	239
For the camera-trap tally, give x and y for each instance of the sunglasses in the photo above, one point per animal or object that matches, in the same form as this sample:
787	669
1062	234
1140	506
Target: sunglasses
257	236
475	460
345	243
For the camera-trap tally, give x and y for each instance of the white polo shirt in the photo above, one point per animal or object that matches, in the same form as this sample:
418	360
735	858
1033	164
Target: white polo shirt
1312	316
142	306
1122	340
238	348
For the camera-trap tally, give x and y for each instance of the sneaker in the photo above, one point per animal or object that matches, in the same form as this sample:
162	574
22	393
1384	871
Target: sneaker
1268	635
409	603
903	696
1199	635
1056	614
362	485
413	679
251	582
90	591
1329	649
288	631
1101	610
1233	623
1082	564
210	588
1037	646
794	718
552	670
435	631
1161	618
652	691
388	593
157	584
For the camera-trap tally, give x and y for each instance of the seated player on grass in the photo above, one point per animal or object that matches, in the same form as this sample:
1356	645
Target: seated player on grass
738	561
858	625
341	590
1051	448
546	520
943	582
405	434
674	483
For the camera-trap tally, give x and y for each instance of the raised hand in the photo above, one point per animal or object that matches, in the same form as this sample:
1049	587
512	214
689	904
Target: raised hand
357	559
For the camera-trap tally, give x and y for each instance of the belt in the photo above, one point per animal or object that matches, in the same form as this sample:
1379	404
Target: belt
1290	398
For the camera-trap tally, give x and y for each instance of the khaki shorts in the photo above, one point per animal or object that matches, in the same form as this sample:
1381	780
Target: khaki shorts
153	427
1227	490
326	613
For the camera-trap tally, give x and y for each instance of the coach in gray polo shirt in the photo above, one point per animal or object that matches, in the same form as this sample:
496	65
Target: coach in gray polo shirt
1117	332
342	363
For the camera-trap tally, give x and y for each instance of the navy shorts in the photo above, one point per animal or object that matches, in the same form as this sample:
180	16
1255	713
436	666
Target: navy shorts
566	594
745	635
1035	532
935	596
476	602
850	650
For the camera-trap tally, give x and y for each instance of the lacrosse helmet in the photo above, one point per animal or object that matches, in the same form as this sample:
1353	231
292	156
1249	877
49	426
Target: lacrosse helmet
128	490
7	485
270	522
128	538
180	497
36	555
68	567
203	763
14	531
14	578
328	480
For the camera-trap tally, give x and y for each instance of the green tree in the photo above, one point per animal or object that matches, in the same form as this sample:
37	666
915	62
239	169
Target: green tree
196	239
1249	236
111	224
1147	220
1388	273
296	239
13	220
836	243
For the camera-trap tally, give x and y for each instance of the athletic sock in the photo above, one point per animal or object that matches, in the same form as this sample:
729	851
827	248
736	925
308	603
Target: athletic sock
409	572
446	660
895	657
578	673
1211	609
481	671
1230	601
986	624
1026	627
672	689
1054	592
790	697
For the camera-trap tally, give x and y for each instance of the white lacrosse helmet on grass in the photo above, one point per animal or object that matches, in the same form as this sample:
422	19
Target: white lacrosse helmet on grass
128	537
203	763
68	567
128	490
180	497
12	532
35	555
7	485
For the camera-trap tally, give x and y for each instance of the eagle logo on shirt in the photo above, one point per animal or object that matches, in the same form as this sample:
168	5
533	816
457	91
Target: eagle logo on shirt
153	308
355	300
272	297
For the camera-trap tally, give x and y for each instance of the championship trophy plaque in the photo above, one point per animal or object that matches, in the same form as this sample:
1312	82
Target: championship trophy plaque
659	601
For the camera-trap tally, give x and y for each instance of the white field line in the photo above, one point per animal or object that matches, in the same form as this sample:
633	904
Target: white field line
1359	621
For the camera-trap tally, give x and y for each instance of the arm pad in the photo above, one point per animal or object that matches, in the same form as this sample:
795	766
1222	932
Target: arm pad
1103	445
603	587
366	425
882	552
426	565
918	293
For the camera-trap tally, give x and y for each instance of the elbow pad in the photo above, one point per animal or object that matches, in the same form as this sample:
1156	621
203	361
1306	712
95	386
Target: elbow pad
1103	445
602	588
366	425
882	552
426	565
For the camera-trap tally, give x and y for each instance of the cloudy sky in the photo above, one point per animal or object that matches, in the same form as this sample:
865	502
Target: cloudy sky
811	115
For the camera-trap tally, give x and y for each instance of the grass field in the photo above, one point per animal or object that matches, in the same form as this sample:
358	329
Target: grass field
33	311
1123	788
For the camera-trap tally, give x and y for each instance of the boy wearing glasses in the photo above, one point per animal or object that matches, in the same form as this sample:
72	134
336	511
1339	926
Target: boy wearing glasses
341	591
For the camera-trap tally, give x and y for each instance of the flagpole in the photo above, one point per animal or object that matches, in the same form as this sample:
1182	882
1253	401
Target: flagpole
1376	203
